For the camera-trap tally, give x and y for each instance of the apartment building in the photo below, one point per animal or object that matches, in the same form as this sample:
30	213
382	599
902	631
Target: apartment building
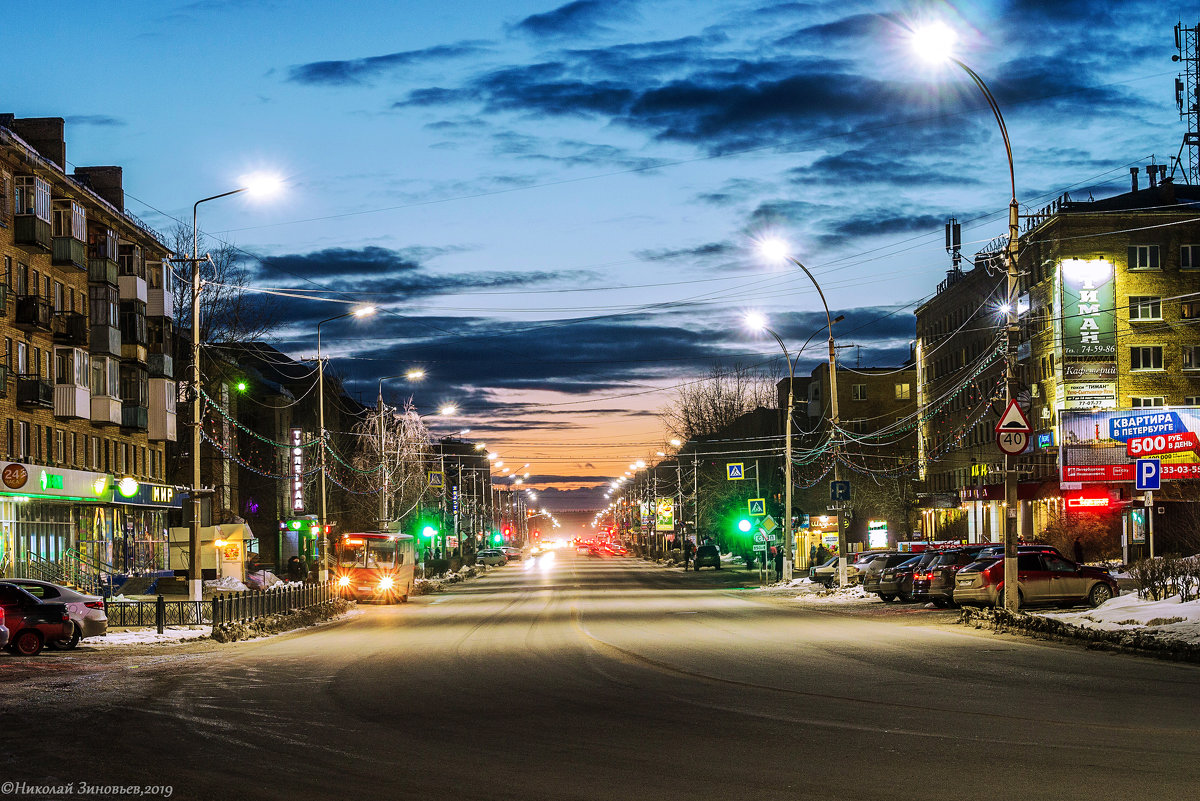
86	381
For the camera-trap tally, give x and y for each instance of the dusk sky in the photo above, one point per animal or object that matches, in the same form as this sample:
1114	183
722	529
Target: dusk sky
556	206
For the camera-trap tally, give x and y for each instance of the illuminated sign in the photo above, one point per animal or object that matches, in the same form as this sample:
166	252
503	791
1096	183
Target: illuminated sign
63	485
1089	321
51	480
297	466
128	487
15	476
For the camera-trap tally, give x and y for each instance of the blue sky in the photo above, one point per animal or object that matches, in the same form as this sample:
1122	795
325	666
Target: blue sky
555	205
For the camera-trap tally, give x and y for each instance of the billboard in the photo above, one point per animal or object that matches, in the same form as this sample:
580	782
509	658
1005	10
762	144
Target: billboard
1089	320
664	514
1104	446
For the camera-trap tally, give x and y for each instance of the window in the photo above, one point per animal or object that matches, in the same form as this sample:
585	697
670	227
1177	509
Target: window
22	443
858	392
1147	402
32	196
1191	357
1192	400
60	446
904	392
1189	309
59	296
70	219
1145	307
1189	257
6	193
1143	257
1146	357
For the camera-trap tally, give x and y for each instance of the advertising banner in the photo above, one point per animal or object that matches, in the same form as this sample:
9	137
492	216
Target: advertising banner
1089	321
1104	446
664	514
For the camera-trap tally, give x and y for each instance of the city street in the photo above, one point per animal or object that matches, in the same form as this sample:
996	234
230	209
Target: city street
576	677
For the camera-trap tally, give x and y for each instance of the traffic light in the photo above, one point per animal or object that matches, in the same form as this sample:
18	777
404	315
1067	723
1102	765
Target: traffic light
497	538
428	529
744	525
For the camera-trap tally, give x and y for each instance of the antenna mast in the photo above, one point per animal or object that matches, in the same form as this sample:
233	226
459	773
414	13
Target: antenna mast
1187	98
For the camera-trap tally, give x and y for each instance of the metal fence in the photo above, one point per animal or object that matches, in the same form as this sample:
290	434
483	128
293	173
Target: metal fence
230	607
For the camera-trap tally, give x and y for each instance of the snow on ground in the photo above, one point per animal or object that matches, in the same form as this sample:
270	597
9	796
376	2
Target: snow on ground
805	590
148	636
1169	619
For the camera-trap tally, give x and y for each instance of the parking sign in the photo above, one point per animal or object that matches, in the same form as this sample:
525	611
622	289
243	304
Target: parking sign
1149	474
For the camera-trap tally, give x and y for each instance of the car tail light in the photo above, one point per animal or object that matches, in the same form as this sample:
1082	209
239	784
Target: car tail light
95	605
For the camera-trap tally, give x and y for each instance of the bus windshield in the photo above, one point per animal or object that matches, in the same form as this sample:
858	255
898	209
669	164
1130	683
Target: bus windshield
368	553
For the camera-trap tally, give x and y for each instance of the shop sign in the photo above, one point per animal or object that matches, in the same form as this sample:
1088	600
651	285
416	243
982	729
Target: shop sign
1089	371
297	472
1089	324
664	514
132	492
35	481
1090	395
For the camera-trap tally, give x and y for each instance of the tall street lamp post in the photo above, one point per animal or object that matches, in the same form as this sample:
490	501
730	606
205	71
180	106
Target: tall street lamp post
259	185
360	312
935	43
778	250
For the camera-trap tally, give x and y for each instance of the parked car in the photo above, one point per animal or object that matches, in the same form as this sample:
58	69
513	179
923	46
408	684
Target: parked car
859	563
32	622
87	611
825	573
492	557
936	580
707	556
897	581
1042	579
3	635
872	577
513	553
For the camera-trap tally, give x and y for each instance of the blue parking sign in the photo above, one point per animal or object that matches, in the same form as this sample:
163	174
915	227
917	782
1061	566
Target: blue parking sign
1149	474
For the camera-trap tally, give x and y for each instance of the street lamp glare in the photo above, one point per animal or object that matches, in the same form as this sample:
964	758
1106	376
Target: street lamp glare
262	184
675	443
448	410
493	456
756	321
774	249
364	311
934	43
640	464
415	375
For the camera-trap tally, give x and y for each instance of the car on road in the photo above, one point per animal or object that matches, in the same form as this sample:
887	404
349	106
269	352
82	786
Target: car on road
31	622
1042	579
513	553
935	582
87	611
492	557
872	577
706	556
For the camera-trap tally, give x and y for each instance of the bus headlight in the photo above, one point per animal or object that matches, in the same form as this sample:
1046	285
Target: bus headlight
344	581
385	583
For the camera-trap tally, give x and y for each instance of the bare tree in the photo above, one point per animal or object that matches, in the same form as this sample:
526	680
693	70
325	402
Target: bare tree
228	312
703	408
399	469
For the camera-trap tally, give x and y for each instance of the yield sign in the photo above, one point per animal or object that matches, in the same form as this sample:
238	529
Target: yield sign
1013	421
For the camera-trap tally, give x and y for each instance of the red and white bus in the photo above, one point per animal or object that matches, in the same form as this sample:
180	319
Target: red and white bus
375	566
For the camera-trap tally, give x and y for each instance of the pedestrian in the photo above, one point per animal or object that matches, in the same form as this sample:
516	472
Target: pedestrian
688	548
1078	551
778	563
293	569
303	568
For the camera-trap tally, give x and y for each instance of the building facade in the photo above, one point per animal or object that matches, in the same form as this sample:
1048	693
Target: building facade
88	391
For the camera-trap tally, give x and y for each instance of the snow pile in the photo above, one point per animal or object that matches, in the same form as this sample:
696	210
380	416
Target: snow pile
226	584
263	580
147	636
1169	619
810	592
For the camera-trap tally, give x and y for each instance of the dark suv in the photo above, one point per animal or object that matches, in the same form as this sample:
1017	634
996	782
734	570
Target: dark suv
31	622
935	582
707	556
872	577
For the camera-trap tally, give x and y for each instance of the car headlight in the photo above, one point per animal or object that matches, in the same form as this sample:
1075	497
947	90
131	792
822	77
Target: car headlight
385	583
344	581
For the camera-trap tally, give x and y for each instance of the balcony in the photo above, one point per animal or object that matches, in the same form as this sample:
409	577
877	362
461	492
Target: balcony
71	401
106	411
31	233
162	365
160	302
105	341
70	328
135	417
132	287
102	271
34	393
162	410
69	252
33	313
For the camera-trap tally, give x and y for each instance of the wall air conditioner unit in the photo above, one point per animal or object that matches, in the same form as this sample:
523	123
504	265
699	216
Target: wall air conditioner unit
1035	389
1046	413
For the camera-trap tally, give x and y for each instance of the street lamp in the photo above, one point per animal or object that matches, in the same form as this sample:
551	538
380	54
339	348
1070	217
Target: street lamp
778	250
936	43
362	311
255	185
757	322
411	375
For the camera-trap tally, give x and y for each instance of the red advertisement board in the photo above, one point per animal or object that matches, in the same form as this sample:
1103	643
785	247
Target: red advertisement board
1141	447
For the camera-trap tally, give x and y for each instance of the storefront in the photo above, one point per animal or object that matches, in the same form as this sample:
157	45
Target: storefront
45	512
137	525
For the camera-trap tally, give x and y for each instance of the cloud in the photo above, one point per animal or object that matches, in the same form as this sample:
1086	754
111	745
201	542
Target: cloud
358	71
99	120
578	19
706	252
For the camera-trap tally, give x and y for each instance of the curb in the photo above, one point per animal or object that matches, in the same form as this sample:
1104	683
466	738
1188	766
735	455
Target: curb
1043	628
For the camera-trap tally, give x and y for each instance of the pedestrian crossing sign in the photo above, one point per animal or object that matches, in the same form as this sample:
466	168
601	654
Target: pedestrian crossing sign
735	471
757	506
437	478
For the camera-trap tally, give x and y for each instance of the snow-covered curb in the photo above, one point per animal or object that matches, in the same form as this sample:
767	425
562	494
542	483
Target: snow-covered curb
1166	628
807	591
429	586
148	636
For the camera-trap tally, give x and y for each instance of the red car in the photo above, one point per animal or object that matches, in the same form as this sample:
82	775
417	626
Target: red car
31	622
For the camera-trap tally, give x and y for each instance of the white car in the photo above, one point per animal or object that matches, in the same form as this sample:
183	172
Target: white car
513	553
87	611
492	557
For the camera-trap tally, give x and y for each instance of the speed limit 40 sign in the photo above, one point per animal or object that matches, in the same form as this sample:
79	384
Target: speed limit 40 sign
1012	442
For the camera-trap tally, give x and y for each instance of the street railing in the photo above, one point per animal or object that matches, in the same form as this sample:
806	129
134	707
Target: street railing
229	607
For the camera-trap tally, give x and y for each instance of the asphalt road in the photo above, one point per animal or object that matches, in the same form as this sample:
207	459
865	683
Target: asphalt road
578	678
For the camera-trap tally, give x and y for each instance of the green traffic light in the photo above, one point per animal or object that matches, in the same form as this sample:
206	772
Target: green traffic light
429	531
744	525
241	386
497	538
